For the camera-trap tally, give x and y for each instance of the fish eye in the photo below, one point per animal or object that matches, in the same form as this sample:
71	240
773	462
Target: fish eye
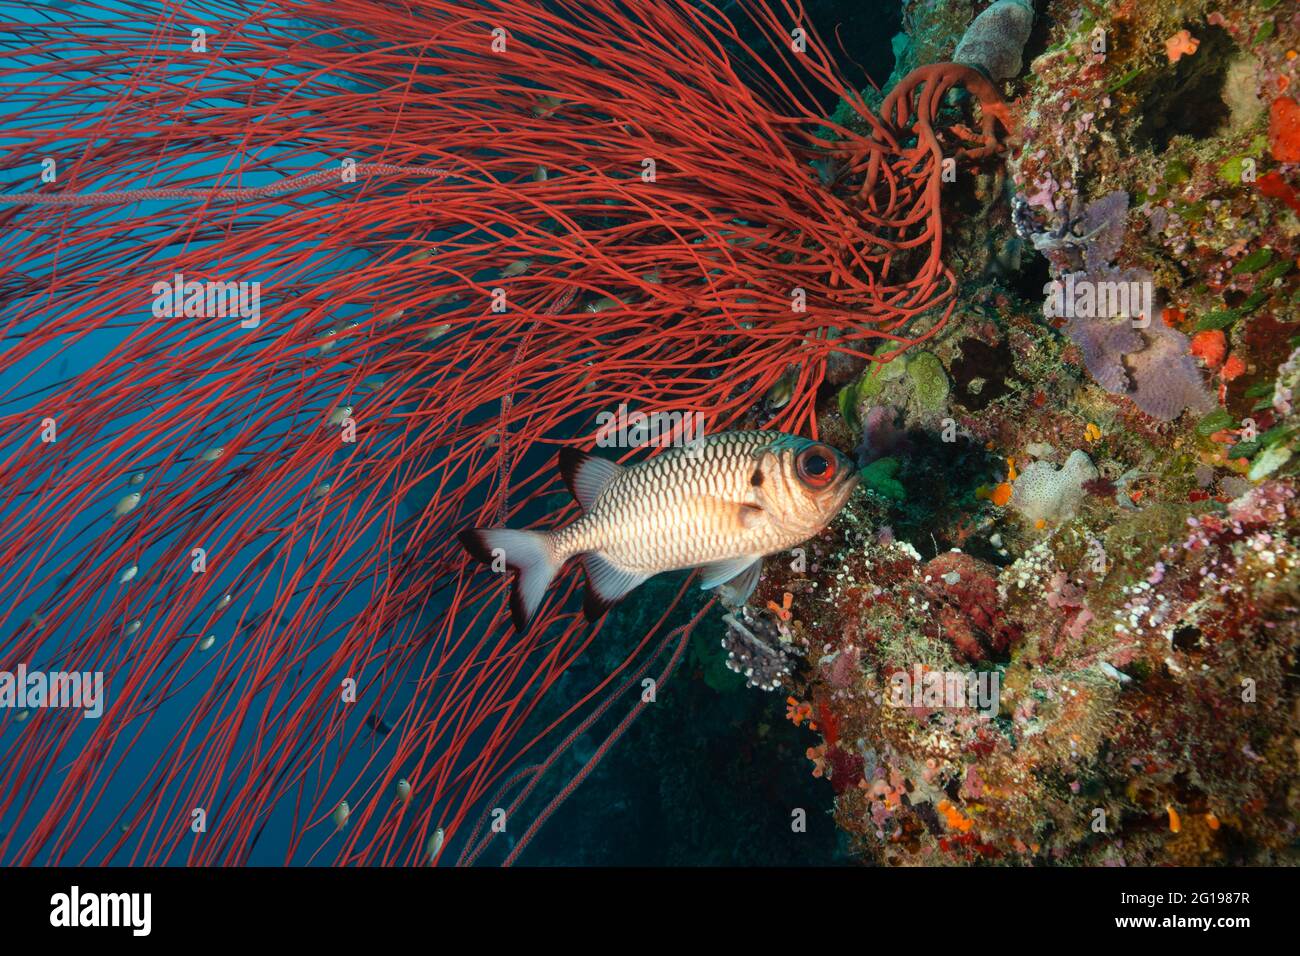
816	466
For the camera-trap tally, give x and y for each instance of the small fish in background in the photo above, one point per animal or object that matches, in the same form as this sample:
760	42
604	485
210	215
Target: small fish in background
126	504
547	105
779	395
721	504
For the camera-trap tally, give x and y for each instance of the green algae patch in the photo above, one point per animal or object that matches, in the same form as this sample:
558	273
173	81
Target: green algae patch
870	384
879	477
1216	421
1253	262
1217	320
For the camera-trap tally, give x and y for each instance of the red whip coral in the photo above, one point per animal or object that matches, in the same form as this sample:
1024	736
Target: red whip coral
494	190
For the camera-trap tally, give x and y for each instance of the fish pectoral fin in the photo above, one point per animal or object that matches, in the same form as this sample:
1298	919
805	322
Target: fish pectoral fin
586	475
736	591
607	584
720	572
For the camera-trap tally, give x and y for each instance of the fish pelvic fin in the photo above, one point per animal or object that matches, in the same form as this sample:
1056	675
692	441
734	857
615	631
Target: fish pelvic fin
528	553
735	590
607	584
586	475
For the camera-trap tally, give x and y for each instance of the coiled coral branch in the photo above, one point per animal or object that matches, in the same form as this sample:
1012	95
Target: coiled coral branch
920	94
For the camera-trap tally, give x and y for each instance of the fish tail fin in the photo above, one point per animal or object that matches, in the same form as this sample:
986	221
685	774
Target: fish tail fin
530	554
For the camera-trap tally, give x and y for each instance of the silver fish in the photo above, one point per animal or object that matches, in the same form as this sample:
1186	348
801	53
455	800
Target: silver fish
721	504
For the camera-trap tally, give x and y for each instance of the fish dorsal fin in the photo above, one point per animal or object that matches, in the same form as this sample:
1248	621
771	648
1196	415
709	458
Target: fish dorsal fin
586	475
607	583
720	572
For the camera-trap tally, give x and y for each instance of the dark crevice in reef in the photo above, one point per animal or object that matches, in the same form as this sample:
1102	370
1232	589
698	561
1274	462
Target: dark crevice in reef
708	776
988	365
1186	638
1029	283
1041	34
936	474
1186	98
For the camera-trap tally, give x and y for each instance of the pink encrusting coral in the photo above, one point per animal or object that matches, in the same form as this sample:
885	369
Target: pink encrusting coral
963	595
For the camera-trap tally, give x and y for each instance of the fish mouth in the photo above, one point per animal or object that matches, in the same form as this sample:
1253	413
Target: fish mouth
844	492
851	483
